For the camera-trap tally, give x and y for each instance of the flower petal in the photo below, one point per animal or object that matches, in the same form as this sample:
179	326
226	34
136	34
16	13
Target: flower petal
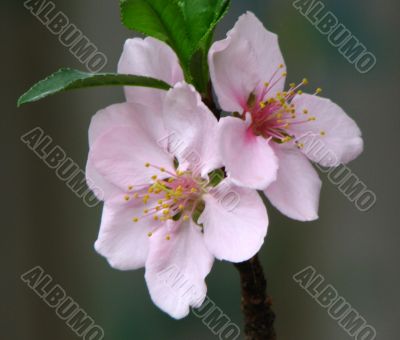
102	188
192	129
152	58
120	156
176	269
118	115
124	243
296	191
126	114
332	138
243	62
249	160
235	222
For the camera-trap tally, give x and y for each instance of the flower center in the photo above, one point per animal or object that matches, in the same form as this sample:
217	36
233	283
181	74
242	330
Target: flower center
272	117
176	197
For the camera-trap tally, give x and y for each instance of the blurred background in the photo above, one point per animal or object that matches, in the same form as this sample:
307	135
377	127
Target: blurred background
45	224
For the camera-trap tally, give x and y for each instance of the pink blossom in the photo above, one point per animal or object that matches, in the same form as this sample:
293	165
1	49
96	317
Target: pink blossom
266	143
160	216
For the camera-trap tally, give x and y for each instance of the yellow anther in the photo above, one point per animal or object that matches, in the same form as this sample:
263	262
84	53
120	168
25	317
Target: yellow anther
193	190
299	92
305	81
150	190
150	234
180	173
322	133
146	211
318	90
135	219
154	177
286	139
281	66
165	205
284	74
130	187
126	198
181	207
145	199
266	84
262	105
292	85
147	165
135	195
168	237
312	119
305	111
165	212
300	145
158	208
171	180
186	218
162	169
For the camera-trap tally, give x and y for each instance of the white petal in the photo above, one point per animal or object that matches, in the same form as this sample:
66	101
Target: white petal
296	191
124	243
176	269
120	156
249	160
342	140
127	114
235	222
192	128
152	58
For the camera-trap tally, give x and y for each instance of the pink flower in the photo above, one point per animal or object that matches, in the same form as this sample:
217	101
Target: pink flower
160	216
267	144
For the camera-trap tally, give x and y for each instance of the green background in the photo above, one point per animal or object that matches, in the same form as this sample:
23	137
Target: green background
44	223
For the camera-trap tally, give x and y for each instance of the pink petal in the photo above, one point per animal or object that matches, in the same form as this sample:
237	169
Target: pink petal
235	222
243	62
102	188
152	58
124	243
120	156
126	114
192	128
249	160
295	193
342	141
176	269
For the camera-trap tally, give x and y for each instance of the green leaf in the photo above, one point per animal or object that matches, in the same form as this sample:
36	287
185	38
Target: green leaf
216	177
186	25
161	19
69	79
201	17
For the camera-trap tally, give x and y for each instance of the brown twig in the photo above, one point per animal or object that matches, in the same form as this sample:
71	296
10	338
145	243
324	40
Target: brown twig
256	305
